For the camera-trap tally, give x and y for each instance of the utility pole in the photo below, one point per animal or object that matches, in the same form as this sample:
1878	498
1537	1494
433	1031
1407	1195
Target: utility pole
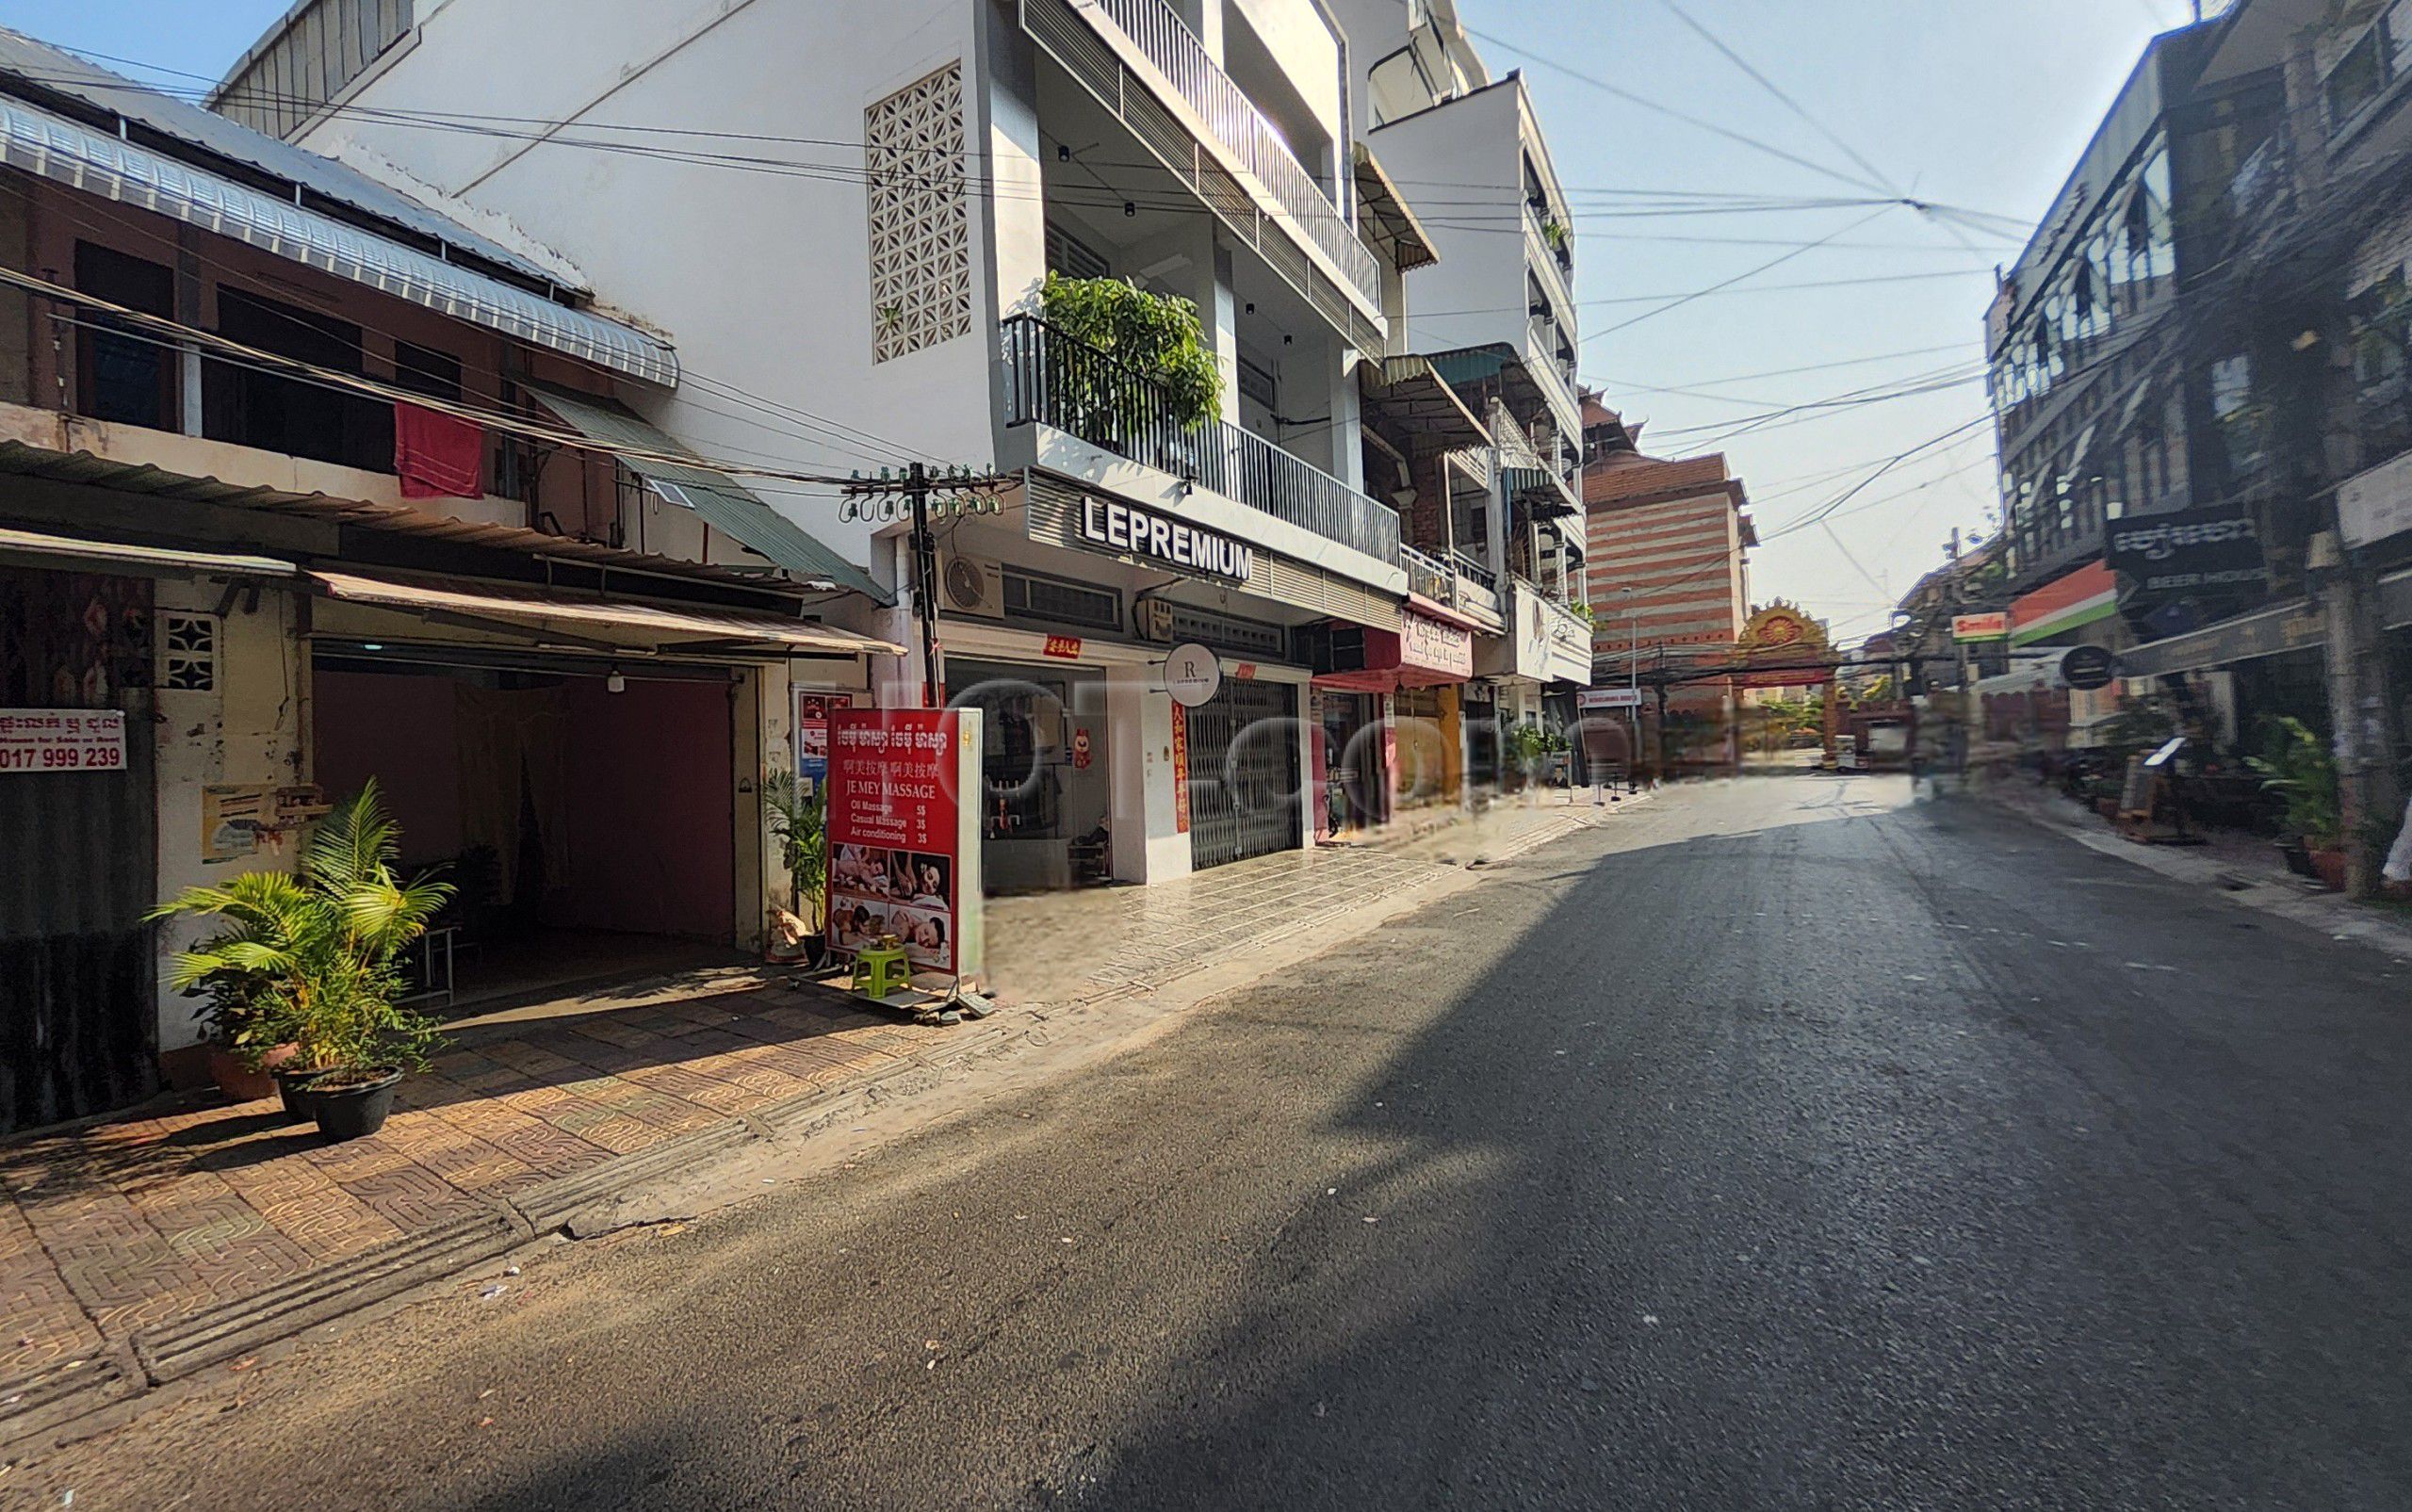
969	493
2361	708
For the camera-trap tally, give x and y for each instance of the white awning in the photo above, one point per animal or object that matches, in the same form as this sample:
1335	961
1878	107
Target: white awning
654	627
109	556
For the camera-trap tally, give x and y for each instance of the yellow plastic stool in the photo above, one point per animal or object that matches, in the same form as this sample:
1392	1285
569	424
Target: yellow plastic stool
880	970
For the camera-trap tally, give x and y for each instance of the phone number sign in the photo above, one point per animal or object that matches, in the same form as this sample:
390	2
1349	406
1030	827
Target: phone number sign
62	739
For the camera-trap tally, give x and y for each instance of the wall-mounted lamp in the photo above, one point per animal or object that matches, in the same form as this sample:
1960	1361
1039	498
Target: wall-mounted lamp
613	682
1130	210
1062	152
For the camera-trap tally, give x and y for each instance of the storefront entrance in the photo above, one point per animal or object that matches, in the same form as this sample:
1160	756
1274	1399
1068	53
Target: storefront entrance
586	819
1046	788
1350	748
1242	773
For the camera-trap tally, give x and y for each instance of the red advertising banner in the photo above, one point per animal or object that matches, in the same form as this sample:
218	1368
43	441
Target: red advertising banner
1180	770
898	860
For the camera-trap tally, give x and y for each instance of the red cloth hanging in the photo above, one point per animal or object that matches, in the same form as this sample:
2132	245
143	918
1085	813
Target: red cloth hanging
438	456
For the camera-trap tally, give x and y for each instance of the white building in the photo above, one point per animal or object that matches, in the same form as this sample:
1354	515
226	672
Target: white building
846	212
1494	315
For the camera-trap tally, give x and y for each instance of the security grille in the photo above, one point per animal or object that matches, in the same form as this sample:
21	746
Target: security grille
1242	773
920	228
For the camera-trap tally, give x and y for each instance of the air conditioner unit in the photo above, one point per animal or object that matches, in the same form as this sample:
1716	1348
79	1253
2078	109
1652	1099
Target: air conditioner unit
968	585
1151	619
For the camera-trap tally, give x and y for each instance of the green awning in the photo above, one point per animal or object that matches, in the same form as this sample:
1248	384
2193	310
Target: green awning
724	504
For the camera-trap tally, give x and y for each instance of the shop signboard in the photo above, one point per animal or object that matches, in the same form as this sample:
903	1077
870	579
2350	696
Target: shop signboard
1193	673
2374	506
1435	645
2216	549
1994	627
2089	668
1125	529
812	736
1609	698
904	834
62	739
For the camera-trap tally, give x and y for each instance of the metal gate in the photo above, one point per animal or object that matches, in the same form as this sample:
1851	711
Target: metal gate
78	1026
1242	773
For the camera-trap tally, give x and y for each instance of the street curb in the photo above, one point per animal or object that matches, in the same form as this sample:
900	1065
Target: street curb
2270	898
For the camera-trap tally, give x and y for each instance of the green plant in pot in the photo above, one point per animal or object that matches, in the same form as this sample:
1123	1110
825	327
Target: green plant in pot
245	1035
797	815
1158	367
315	954
2297	768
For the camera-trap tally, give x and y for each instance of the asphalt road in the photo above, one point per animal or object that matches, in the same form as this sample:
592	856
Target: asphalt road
1784	1145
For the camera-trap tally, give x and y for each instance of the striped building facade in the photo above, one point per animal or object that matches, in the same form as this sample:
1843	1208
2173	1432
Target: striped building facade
1667	543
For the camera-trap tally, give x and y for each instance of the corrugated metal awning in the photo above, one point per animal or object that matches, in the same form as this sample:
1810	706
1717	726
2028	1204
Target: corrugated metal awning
723	502
111	556
1408	394
658	624
63	152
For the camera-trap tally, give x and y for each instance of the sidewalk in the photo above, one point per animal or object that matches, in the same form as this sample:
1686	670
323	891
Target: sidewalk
153	1244
2242	868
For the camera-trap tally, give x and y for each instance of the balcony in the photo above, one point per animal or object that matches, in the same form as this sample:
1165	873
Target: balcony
1235	136
1054	380
1549	265
1453	581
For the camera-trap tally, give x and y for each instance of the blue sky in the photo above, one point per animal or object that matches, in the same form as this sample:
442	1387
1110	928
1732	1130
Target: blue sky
1968	102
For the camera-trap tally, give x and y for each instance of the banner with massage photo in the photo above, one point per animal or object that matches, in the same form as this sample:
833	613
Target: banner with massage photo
903	834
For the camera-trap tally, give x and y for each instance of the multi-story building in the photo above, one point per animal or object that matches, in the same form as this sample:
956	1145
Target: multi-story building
1494	316
286	507
866	256
1670	579
2229	511
2108	405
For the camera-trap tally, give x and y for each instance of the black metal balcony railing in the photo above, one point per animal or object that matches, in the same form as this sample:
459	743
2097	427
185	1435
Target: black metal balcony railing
1057	379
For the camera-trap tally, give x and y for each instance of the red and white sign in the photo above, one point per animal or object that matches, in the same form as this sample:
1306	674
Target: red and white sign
1180	770
904	845
1435	645
1995	627
62	739
1063	647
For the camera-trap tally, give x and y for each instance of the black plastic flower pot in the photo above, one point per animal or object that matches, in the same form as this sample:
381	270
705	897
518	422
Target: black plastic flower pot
293	1090
356	1103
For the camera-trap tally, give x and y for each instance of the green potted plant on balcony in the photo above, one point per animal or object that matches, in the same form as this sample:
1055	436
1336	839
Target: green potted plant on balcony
312	957
1154	338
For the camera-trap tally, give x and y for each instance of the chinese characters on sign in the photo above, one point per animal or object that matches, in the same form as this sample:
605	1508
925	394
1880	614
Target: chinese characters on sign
904	846
62	739
1180	770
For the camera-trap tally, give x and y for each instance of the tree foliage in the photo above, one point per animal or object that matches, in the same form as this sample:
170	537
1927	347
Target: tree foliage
1157	337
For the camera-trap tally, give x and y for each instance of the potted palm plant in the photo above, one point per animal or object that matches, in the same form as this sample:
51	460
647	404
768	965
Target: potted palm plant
2297	768
244	1039
797	812
316	952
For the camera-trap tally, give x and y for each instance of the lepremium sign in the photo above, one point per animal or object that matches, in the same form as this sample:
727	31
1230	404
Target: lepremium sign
1110	525
2210	551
